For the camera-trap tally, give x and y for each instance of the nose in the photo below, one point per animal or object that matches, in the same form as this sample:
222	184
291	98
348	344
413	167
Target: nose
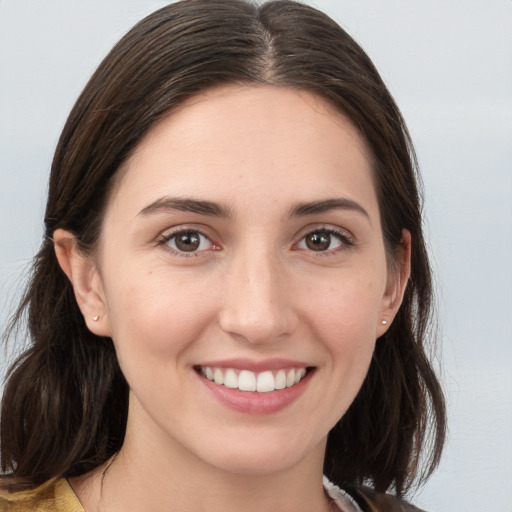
257	302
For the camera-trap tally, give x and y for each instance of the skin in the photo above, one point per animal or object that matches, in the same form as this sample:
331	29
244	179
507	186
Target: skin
254	289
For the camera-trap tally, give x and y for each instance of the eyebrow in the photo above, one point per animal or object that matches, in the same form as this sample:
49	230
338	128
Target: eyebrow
187	205
212	209
327	205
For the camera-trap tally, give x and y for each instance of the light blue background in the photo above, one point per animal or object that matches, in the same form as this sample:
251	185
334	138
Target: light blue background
449	66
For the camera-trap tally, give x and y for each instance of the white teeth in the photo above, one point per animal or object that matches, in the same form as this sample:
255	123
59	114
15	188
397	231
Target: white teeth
265	382
290	379
246	380
218	376
280	379
231	379
299	374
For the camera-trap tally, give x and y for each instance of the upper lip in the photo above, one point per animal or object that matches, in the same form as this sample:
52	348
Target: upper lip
254	366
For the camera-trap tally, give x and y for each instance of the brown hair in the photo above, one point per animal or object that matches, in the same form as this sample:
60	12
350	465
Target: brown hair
65	403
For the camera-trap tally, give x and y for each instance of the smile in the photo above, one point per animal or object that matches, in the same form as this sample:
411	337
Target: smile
246	380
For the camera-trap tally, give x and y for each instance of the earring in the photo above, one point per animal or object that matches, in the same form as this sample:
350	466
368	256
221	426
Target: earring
384	322
96	318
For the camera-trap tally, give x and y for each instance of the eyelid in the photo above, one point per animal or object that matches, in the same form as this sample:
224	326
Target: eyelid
168	235
346	238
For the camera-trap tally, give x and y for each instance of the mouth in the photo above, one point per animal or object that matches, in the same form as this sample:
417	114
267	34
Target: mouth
260	382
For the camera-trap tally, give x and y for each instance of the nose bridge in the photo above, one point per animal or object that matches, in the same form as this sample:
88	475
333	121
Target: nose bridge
257	304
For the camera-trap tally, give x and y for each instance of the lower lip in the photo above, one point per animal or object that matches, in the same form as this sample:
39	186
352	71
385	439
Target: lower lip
252	402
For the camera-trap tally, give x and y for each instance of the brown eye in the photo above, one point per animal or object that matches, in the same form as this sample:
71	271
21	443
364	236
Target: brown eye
318	241
322	240
188	241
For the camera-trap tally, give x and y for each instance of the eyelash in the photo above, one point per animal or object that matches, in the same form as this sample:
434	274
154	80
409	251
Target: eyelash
165	239
346	241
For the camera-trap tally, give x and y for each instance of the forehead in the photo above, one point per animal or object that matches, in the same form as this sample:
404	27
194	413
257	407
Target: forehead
253	108
230	140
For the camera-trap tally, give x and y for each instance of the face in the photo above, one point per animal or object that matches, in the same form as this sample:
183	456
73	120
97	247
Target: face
242	275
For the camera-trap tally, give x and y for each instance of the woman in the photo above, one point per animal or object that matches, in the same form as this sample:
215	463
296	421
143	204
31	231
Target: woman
233	295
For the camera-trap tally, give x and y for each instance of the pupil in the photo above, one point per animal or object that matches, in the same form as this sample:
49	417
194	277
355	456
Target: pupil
318	241
187	242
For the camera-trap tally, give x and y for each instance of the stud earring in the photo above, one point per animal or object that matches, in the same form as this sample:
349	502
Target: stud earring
96	318
384	322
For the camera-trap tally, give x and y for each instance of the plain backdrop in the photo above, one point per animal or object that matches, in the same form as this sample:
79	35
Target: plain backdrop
449	66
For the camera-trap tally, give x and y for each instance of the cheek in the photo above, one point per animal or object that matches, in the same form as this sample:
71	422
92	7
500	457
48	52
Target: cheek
344	318
349	309
154	318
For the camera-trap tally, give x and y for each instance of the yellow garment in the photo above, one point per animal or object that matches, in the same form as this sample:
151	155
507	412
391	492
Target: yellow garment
52	496
57	496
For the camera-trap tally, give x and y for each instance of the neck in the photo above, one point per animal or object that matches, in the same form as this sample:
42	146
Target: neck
182	484
150	475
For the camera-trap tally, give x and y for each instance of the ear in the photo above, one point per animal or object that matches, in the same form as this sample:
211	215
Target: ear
85	278
396	285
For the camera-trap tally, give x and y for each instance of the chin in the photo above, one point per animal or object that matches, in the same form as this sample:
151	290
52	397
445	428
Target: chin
260	456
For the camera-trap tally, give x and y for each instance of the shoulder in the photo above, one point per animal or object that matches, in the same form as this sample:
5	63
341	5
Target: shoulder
373	501
55	495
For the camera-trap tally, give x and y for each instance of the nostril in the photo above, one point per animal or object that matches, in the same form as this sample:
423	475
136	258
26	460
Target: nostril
257	326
